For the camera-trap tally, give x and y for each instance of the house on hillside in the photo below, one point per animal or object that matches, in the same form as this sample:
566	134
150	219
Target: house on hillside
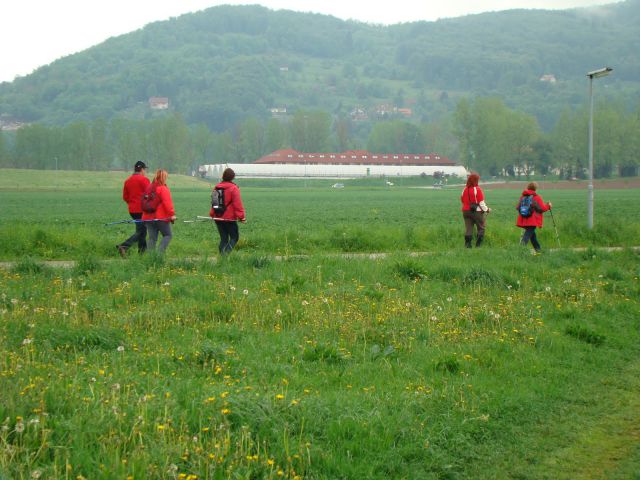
159	103
278	112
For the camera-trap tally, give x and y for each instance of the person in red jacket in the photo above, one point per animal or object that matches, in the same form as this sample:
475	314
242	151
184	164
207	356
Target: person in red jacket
160	220
134	187
474	210
533	221
227	223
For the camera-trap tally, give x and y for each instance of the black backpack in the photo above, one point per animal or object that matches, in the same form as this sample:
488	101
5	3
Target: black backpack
526	206
217	201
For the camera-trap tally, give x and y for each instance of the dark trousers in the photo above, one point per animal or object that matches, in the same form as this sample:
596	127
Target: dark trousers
140	236
474	218
530	235
159	226
229	235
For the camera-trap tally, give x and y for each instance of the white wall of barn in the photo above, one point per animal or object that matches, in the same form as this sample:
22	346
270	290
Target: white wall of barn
252	170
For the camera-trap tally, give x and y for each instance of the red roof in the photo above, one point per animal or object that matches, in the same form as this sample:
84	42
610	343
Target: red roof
353	157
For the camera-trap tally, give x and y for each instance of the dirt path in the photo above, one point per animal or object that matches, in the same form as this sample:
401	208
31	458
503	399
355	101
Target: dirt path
278	258
615	184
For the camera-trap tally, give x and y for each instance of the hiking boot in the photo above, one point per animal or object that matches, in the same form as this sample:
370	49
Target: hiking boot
467	241
479	240
122	251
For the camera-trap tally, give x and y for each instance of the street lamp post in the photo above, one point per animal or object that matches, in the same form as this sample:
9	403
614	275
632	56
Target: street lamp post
602	72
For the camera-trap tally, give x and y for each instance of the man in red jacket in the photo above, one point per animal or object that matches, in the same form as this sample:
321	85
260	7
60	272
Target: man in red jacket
134	187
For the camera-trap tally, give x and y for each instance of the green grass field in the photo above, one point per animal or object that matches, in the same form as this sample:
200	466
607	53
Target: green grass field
453	364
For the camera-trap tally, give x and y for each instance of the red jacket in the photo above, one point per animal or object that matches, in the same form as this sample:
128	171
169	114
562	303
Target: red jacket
134	187
165	209
535	220
235	209
469	196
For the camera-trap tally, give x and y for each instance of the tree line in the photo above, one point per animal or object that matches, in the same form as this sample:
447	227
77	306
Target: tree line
482	134
228	63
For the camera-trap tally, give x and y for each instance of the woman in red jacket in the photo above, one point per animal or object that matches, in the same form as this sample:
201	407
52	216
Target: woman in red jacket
474	210
164	215
529	223
227	222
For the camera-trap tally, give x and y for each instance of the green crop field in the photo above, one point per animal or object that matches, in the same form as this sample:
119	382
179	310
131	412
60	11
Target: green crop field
299	356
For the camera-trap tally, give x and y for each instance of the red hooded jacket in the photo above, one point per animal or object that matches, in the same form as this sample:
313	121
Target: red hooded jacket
165	209
134	187
235	209
535	220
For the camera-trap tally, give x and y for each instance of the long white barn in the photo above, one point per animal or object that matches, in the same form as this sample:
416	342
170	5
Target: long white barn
350	164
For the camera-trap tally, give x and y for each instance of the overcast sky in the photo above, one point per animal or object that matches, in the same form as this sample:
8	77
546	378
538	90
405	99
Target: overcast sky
37	32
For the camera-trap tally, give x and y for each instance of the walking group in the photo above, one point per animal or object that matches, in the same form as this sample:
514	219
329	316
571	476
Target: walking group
152	211
530	209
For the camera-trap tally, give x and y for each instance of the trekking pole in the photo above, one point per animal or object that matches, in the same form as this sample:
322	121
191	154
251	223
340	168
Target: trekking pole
119	222
555	227
209	218
198	219
136	221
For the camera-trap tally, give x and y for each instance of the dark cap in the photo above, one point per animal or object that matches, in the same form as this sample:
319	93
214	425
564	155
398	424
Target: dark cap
139	166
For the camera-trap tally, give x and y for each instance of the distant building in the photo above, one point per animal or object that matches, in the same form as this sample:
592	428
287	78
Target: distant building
278	112
386	110
358	115
10	125
549	78
159	103
349	164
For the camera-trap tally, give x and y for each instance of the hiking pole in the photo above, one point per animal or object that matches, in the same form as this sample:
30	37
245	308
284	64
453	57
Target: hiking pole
198	219
119	222
137	221
555	227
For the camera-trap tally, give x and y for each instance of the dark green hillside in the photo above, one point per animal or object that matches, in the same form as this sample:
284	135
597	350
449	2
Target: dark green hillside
225	64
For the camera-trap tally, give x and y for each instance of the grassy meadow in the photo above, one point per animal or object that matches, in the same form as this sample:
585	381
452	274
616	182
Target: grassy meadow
291	360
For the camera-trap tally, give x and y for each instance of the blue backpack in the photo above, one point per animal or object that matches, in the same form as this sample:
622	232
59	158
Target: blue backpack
526	208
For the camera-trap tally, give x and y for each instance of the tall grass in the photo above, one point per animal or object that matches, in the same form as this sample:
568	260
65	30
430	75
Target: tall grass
438	366
489	363
69	223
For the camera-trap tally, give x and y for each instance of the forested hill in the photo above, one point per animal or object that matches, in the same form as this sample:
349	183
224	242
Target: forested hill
227	63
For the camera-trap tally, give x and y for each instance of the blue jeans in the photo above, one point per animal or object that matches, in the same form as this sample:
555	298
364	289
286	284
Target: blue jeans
229	236
530	234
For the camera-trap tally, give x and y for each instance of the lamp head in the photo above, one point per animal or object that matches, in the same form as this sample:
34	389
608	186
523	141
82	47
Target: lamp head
601	72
